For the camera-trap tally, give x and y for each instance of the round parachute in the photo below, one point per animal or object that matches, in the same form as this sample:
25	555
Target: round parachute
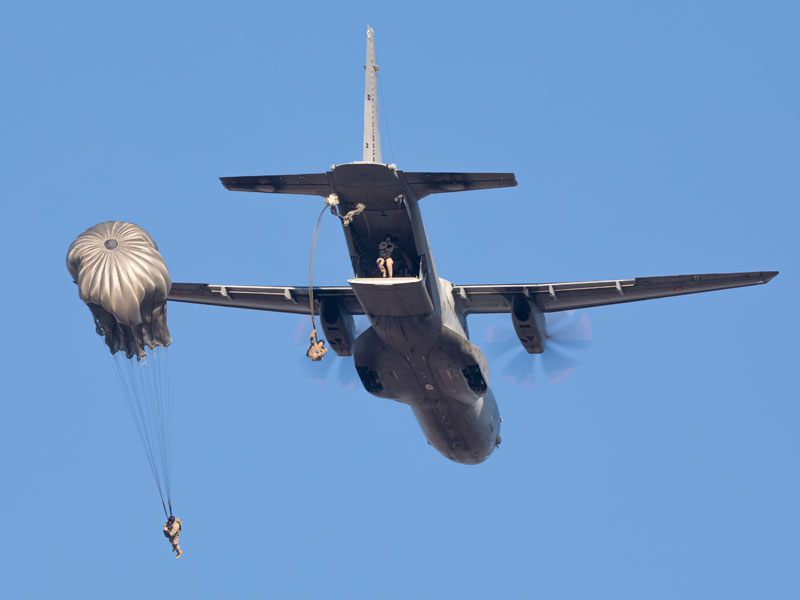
124	281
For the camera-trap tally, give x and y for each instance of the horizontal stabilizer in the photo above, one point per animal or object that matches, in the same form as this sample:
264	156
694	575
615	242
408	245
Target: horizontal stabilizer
365	176
312	184
436	183
552	297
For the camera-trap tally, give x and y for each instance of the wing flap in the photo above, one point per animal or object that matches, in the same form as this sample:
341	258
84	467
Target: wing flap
552	297
285	299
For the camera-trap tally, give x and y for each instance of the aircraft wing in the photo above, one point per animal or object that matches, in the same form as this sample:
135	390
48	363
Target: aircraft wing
475	299
552	297
278	299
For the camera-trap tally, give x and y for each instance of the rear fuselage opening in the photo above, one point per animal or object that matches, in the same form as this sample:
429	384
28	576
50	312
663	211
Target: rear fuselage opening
380	189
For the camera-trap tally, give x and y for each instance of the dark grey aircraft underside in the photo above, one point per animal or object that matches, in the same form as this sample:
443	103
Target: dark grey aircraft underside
417	350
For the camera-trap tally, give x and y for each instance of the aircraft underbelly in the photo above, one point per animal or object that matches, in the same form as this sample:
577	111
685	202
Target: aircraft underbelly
410	354
441	375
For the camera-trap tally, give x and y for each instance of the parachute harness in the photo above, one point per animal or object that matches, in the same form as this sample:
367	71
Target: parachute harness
332	202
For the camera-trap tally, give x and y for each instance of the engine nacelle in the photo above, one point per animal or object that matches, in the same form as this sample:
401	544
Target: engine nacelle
338	326
529	323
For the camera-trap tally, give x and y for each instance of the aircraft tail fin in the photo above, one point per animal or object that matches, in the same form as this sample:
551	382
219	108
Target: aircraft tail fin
372	132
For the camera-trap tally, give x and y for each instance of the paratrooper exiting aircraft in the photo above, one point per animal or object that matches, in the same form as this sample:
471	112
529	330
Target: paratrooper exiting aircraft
417	350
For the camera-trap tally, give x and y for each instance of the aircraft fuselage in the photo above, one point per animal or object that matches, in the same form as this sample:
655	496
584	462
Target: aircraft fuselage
417	350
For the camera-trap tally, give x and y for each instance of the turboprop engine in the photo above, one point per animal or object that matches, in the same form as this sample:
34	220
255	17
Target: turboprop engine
338	326
529	323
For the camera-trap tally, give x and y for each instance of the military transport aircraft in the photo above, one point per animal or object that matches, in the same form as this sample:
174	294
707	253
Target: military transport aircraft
417	350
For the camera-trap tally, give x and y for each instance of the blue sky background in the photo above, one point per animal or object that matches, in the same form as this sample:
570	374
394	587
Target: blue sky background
647	140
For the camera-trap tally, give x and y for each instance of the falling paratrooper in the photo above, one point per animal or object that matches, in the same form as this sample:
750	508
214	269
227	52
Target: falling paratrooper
123	279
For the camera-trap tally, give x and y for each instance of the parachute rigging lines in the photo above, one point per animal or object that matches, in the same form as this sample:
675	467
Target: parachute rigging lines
332	202
145	388
124	281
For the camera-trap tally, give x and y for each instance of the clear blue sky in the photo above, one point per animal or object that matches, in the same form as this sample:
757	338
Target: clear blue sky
646	141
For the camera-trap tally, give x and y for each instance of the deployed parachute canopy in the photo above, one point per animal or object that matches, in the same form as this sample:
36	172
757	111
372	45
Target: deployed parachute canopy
123	279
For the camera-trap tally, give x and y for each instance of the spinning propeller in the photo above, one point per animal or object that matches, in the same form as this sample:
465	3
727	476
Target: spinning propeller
569	334
332	370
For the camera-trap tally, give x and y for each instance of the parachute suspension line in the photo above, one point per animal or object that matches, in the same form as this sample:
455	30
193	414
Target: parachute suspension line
156	371
332	202
311	267
161	388
381	97
156	406
130	394
145	389
154	409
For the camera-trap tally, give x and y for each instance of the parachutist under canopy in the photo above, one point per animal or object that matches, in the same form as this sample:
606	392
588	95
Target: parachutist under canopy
124	281
172	529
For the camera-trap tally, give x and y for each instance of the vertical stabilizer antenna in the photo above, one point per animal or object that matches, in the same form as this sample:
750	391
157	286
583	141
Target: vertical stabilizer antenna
372	132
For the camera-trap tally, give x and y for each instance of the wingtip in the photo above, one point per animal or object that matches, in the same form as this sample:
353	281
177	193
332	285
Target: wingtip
769	276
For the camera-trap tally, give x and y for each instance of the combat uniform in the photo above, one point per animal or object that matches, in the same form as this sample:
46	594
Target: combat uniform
172	533
385	250
315	350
